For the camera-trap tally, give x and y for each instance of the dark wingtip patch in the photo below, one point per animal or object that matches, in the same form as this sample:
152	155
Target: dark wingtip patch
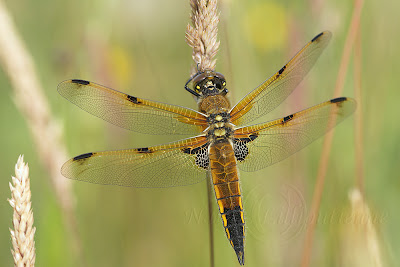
316	37
288	118
132	99
338	100
144	150
83	82
83	156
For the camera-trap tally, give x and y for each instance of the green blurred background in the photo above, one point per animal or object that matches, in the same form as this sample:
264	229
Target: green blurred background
138	47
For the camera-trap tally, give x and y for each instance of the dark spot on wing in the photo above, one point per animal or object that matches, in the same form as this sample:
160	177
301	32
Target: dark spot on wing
202	160
133	99
240	148
316	37
83	156
190	150
338	100
281	70
144	150
250	138
187	150
288	118
83	82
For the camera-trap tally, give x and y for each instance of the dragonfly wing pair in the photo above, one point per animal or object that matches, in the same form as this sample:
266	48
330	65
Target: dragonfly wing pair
175	164
185	162
279	86
276	140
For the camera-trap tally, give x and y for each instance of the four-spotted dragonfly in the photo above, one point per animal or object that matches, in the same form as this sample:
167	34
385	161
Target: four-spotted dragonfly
222	142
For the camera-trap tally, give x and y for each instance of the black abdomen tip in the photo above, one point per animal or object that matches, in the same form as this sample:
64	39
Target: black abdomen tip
240	256
83	156
83	82
338	100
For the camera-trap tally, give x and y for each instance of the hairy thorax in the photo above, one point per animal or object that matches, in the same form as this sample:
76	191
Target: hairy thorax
217	109
214	104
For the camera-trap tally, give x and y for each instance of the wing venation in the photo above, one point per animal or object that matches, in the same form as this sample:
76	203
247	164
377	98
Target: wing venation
132	113
273	91
276	140
159	166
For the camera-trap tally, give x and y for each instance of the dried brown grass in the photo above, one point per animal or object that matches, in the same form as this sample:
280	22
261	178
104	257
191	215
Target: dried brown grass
360	244
358	122
323	165
202	35
23	232
31	101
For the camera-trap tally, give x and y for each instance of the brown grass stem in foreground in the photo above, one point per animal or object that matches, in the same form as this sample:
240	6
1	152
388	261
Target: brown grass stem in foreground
358	122
323	165
202	37
22	235
31	101
210	199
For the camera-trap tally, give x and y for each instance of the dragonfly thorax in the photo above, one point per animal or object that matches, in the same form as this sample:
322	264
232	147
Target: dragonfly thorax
220	126
214	104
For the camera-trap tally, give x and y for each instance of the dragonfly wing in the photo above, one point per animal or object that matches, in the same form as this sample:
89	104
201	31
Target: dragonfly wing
273	91
175	164
132	113
261	145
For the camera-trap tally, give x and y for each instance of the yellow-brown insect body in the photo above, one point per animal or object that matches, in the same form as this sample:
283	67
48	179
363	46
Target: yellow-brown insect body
227	191
224	173
223	138
214	104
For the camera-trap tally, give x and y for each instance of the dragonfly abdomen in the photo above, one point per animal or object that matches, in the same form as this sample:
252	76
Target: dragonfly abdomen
227	191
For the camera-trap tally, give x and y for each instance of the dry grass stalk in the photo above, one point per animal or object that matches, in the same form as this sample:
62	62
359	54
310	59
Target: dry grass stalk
323	165
358	122
22	236
360	242
31	101
202	36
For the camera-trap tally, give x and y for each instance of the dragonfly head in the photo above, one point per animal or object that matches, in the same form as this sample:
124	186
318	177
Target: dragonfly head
208	83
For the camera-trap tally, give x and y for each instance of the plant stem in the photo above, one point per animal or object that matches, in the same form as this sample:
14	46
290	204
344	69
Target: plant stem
210	199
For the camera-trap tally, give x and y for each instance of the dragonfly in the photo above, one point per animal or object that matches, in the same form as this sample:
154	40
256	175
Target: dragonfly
222	142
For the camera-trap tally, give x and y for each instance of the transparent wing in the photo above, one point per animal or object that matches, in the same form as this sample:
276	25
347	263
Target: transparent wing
174	164
132	113
261	145
273	91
